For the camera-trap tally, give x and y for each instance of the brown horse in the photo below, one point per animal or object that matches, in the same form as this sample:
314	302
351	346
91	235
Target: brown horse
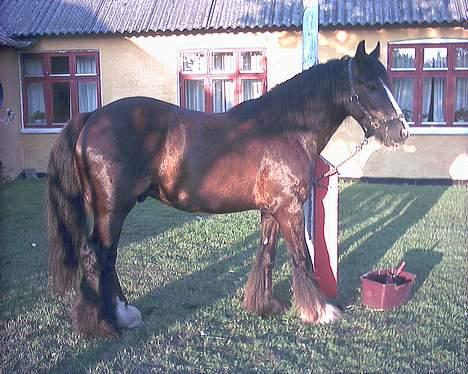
259	155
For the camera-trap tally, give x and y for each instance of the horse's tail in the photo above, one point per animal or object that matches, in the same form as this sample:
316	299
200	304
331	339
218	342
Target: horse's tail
65	208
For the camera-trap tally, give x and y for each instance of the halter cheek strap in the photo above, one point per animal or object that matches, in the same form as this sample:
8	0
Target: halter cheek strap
374	122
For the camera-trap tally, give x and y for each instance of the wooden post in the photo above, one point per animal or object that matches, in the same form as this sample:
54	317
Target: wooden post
325	228
321	208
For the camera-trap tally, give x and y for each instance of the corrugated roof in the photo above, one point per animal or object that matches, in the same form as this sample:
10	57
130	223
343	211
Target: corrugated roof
6	41
391	12
58	17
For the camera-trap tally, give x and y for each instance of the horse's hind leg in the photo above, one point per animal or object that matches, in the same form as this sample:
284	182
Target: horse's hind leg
94	310
308	298
258	293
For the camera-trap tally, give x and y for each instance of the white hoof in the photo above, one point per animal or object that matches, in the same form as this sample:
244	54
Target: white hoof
329	314
128	316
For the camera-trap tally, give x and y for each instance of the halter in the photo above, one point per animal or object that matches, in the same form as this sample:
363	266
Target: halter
374	122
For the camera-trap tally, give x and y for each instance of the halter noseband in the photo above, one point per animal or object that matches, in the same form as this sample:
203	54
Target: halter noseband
374	122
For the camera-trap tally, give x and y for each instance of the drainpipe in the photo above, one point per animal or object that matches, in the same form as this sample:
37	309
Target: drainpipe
309	58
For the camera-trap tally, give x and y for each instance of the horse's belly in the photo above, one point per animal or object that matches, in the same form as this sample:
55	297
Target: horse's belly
209	194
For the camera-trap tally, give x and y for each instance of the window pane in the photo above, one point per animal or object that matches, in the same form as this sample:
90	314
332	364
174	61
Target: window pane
60	102
433	99
251	89
403	58
223	95
223	61
32	66
461	58
59	65
461	100
251	61
194	62
86	65
87	96
194	95
435	58
36	105
404	94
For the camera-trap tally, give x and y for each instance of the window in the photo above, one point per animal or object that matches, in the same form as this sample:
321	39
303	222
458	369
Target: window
217	80
430	82
57	86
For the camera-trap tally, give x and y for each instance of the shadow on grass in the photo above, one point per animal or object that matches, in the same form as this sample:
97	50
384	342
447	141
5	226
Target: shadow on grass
152	218
147	219
422	262
363	202
175	302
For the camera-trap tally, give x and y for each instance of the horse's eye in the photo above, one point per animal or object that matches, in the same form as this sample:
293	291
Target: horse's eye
371	86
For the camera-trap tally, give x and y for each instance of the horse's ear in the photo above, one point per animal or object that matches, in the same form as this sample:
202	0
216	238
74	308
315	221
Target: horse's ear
376	52
361	49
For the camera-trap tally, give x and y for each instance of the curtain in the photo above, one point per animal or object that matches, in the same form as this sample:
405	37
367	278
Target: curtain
223	61
32	66
252	61
86	65
433	99
251	89
87	96
462	58
36	105
195	95
403	58
435	58
223	95
461	100
404	94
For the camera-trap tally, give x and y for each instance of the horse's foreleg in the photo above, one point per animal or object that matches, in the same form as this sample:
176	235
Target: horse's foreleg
308	298
258	292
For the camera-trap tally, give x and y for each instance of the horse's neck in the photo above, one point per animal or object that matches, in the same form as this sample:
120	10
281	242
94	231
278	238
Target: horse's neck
314	141
314	100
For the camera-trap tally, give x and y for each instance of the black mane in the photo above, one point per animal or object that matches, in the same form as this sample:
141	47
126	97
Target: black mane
307	101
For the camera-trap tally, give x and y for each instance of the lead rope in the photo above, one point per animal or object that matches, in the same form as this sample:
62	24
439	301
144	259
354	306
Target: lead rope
316	180
335	170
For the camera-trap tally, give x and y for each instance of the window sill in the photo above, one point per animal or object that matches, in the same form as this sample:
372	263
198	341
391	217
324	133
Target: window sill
438	130
48	130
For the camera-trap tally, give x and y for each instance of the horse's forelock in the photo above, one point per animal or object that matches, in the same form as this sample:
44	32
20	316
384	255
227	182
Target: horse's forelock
377	70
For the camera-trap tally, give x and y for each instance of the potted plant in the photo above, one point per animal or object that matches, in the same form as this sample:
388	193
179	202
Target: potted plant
38	116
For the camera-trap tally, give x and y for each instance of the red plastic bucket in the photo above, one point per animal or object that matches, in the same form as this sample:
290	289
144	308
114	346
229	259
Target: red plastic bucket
377	293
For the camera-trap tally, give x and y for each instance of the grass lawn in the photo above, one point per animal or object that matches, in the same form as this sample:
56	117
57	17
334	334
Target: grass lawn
186	274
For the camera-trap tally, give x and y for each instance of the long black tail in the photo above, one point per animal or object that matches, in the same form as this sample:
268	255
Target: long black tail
65	209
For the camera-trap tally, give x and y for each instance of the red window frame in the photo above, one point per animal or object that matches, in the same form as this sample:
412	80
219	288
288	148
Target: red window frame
48	79
209	75
418	75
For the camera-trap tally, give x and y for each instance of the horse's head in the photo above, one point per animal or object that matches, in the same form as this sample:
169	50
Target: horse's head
371	102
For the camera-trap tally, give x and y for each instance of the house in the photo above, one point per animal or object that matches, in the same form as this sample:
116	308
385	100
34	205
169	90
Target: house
58	58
